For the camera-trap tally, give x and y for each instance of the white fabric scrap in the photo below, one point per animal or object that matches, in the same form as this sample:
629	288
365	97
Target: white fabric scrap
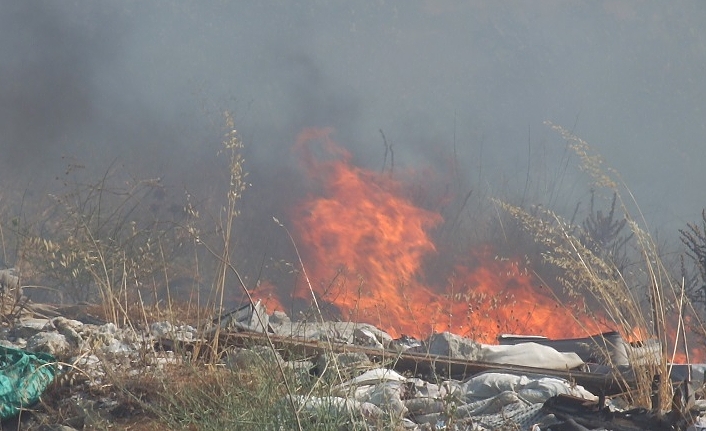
371	377
533	389
530	355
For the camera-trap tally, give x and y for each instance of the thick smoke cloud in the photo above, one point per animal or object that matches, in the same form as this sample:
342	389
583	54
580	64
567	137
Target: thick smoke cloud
144	83
46	73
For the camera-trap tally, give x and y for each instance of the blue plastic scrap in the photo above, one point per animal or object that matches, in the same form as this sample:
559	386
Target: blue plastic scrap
24	376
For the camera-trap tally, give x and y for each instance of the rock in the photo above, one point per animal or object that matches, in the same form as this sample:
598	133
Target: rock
107	335
161	329
63	322
111	341
165	330
29	327
405	343
108	328
69	329
116	347
53	343
453	346
6	343
89	363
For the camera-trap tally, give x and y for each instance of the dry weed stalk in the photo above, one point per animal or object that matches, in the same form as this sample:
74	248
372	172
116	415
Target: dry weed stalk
585	272
232	148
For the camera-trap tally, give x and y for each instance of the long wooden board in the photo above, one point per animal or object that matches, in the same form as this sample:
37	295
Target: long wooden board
433	367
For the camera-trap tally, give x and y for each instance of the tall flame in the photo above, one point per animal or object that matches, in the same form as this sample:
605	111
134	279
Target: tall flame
364	243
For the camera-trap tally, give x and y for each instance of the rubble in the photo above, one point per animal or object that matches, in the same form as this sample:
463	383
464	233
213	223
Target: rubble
52	343
451	345
249	317
443	382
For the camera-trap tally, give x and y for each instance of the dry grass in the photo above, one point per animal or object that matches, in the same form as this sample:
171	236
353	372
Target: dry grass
636	302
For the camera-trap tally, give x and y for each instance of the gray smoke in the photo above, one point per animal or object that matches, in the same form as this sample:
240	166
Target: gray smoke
144	83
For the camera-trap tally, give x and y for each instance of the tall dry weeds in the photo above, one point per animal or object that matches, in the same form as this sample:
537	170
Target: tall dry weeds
232	149
96	243
584	273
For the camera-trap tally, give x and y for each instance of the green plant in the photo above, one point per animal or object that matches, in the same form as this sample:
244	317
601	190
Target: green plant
603	233
694	238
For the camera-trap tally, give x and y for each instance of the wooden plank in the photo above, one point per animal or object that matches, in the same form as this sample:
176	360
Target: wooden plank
426	365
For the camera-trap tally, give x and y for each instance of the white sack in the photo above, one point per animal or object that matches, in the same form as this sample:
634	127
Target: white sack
370	377
541	389
532	389
530	355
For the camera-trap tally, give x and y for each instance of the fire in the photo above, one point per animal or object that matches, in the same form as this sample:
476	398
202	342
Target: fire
364	245
502	296
267	293
362	235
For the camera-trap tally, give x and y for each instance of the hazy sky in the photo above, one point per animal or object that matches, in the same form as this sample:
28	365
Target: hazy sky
144	81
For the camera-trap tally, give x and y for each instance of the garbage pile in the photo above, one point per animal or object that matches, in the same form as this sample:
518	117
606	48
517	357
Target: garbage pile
444	382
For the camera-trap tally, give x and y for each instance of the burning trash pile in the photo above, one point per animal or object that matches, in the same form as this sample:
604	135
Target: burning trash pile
365	246
404	344
450	382
442	382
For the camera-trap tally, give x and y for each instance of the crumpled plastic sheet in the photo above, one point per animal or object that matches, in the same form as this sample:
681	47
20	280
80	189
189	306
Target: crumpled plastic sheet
505	410
488	401
24	376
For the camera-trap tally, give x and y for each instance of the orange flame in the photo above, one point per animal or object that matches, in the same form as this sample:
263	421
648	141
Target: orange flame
361	228
364	246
